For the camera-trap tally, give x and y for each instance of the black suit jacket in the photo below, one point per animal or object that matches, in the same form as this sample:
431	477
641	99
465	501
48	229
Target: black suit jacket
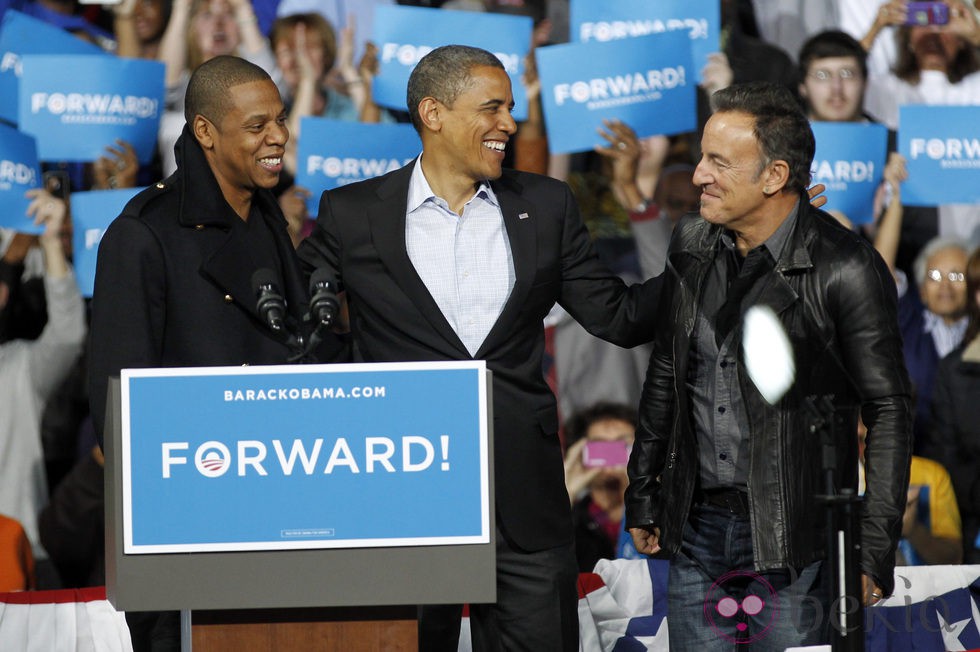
173	283
360	239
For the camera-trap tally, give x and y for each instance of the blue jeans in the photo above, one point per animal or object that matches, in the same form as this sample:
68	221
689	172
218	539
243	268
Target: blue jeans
716	601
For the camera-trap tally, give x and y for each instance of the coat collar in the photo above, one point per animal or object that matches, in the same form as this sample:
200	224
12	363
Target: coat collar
202	206
201	199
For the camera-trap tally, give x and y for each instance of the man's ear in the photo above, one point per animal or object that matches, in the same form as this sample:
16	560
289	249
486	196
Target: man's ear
204	131
430	113
776	176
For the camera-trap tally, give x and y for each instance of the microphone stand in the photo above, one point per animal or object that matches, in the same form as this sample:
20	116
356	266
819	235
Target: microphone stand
843	536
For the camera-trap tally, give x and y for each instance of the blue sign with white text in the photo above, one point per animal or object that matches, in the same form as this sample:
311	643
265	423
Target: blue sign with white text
646	82
850	161
610	20
76	106
19	172
306	456
21	34
334	153
91	213
406	34
941	147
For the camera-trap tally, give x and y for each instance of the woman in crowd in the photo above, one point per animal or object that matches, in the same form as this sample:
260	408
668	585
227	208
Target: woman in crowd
937	64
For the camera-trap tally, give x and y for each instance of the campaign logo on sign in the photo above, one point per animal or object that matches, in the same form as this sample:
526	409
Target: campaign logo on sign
942	153
406	34
76	106
19	172
334	153
305	456
609	20
91	214
850	162
645	82
21	34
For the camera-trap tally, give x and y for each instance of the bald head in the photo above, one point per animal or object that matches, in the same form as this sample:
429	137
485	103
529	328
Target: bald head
208	90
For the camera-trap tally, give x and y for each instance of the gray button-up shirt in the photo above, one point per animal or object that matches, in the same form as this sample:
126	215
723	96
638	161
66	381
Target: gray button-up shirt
720	421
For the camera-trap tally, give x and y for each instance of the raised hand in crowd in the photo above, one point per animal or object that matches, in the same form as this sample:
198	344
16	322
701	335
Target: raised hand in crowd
345	75
367	69
577	475
531	143
293	205
44	208
888	232
306	92
717	73
117	168
139	26
964	23
891	13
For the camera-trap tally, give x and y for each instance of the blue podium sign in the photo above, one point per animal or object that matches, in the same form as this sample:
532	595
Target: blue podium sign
942	153
303	457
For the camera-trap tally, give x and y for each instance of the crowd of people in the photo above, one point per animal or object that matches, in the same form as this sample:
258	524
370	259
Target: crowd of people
583	333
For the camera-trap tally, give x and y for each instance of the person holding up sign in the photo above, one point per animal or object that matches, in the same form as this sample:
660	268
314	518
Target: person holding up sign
453	257
31	370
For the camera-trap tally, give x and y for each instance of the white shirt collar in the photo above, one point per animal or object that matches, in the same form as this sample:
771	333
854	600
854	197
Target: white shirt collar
419	190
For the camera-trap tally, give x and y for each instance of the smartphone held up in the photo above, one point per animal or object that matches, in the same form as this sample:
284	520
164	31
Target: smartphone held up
605	454
927	13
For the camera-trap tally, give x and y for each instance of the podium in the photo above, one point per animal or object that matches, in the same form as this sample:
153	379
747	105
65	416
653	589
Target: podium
300	503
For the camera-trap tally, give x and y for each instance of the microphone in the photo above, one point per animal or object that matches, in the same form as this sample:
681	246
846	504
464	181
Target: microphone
269	302
323	298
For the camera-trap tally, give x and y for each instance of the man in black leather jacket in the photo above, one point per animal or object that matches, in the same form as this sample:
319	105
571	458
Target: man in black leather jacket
720	479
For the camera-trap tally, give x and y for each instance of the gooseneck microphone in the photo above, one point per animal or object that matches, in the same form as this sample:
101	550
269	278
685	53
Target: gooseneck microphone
269	302
323	299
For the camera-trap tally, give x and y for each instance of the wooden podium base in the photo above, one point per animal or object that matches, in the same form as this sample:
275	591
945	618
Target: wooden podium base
340	629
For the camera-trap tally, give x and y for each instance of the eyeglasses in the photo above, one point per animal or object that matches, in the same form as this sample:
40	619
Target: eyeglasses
844	74
936	276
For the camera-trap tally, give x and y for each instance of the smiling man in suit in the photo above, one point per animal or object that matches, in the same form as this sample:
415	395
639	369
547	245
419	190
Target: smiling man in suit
454	258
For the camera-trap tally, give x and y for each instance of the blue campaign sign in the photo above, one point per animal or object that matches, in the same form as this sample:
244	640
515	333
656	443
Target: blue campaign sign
942	152
21	34
19	172
306	456
91	213
406	34
646	82
850	162
334	153
609	20
76	106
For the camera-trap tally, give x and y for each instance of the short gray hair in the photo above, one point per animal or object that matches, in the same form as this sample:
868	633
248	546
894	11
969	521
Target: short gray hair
444	74
932	247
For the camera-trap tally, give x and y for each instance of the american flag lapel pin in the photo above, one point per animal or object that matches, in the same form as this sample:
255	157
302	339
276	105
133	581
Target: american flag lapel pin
523	216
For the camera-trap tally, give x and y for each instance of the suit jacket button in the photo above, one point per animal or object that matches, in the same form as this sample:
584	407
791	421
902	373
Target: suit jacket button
228	298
